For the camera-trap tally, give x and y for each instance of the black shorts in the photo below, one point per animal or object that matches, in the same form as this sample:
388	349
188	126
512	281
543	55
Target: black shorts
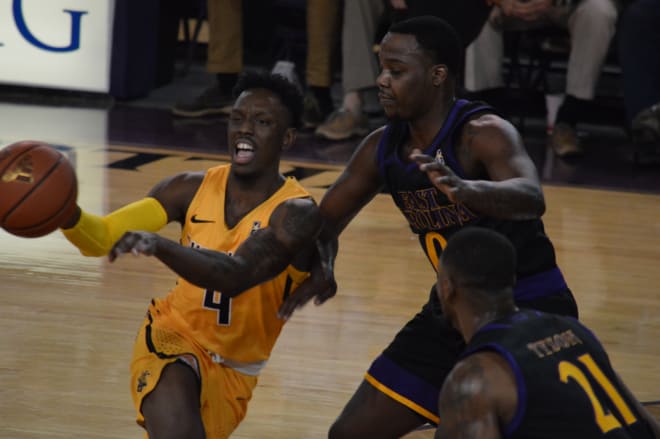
413	367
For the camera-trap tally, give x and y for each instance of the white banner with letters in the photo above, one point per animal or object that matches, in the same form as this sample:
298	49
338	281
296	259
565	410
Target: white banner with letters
56	43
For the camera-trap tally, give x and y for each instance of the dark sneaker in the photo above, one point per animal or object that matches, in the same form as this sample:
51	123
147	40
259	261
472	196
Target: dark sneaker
212	101
564	141
342	125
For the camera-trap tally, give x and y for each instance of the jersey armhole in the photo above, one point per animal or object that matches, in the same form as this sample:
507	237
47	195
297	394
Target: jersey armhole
521	388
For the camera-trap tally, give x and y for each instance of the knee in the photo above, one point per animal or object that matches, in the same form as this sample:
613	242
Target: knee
594	14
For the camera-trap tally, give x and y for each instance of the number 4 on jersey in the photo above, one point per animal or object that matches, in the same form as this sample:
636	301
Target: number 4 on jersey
219	302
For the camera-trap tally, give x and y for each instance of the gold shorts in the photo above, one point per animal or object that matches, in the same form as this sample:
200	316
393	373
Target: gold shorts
224	393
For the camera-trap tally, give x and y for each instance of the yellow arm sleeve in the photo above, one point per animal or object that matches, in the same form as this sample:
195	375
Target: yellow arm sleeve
95	235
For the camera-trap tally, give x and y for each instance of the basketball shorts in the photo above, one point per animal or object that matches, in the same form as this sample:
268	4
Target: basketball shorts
225	392
413	367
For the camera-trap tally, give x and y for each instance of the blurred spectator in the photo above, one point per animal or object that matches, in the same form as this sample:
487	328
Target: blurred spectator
361	23
225	56
639	54
591	25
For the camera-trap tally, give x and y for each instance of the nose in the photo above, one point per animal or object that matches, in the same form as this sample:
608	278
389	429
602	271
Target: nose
382	80
245	126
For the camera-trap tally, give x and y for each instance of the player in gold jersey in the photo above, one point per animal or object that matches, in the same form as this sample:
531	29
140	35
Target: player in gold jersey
244	244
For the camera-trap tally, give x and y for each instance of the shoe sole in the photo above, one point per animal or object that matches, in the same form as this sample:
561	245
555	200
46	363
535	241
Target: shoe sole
201	113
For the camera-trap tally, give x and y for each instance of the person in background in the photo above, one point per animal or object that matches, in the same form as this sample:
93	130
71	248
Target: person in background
591	25
524	373
225	57
244	248
639	46
448	163
361	23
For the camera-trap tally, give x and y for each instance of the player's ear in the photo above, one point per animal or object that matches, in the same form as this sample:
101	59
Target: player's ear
440	72
449	289
289	138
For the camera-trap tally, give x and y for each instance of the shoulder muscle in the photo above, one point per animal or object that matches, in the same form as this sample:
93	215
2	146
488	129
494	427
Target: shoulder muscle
296	222
475	397
497	145
175	193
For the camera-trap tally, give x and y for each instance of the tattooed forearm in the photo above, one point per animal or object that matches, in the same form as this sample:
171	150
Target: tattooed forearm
259	258
514	199
465	409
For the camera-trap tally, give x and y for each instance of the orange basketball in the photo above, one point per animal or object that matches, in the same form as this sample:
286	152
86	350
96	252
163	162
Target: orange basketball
38	189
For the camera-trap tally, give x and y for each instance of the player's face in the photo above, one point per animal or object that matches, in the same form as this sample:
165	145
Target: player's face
258	130
405	81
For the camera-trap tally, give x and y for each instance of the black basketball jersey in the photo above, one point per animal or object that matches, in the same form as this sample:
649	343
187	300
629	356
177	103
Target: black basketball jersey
434	218
566	386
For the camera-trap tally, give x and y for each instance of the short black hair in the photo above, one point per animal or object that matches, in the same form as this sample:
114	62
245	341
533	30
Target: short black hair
437	37
480	259
287	91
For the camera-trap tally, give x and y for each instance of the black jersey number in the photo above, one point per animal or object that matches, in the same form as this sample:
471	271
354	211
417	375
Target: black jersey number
219	302
606	421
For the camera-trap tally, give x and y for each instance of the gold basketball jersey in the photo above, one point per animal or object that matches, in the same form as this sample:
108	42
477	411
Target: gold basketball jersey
242	329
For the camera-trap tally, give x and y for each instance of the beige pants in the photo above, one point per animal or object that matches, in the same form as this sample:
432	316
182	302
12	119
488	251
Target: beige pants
591	25
225	50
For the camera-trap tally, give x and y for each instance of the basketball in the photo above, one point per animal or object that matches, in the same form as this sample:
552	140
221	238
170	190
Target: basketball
38	189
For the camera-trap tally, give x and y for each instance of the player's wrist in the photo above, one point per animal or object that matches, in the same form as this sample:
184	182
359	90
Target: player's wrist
73	220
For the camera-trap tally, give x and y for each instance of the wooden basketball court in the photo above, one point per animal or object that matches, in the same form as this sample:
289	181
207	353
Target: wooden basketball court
68	322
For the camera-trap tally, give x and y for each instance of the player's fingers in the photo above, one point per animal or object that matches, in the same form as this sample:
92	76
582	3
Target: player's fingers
145	245
292	303
329	293
298	299
447	180
420	158
123	245
436	166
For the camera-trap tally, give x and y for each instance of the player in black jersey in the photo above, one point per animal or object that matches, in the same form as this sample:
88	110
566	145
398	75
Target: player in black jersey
524	374
495	185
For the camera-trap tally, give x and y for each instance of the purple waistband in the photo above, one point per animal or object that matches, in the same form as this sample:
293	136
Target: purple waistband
541	284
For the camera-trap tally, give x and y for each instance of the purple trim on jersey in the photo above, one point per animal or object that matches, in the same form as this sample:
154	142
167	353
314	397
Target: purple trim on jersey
448	153
520	383
437	140
538	285
493	326
410	386
446	125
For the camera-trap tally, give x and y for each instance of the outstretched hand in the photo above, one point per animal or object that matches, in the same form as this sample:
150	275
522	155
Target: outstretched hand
320	286
439	174
134	242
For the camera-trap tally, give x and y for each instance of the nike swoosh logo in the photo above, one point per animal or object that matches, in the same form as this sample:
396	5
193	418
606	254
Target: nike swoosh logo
195	220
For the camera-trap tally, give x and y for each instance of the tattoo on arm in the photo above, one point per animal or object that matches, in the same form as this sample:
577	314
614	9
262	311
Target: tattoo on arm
292	229
465	407
512	190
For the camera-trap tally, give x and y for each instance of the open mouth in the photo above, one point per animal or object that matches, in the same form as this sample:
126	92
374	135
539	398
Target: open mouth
243	153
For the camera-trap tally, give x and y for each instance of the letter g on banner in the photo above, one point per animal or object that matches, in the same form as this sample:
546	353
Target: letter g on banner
76	17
